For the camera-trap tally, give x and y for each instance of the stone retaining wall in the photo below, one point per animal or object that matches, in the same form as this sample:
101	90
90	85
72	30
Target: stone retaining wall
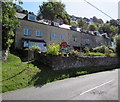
59	62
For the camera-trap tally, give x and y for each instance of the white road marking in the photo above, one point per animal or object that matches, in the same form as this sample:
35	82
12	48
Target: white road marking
96	87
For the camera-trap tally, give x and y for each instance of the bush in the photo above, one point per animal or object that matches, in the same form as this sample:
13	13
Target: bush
100	49
75	53
86	49
118	48
53	49
34	48
96	54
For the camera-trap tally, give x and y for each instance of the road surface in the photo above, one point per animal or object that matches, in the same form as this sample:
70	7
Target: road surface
97	86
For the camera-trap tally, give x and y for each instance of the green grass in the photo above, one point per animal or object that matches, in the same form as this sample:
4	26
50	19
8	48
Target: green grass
16	74
96	54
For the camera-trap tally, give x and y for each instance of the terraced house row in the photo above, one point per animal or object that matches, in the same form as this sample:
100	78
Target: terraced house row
39	33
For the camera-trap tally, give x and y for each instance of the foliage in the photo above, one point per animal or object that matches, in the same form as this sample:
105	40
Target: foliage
96	54
53	49
19	8
114	30
73	24
9	23
112	54
92	27
111	30
75	53
113	22
118	48
53	11
115	38
107	51
86	49
100	49
81	23
16	74
34	48
96	20
105	28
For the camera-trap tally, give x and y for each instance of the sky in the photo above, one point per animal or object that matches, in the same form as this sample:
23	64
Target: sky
80	8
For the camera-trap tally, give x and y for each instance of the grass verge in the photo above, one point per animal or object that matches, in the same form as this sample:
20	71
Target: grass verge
16	74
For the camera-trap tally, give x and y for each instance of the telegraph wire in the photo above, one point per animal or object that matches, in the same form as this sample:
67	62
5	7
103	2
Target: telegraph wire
98	9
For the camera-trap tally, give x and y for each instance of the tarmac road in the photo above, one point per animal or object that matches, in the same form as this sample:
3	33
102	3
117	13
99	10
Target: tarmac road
96	86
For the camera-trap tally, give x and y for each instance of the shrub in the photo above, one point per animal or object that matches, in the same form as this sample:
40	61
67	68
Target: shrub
34	48
100	49
96	54
53	49
75	53
118	48
86	49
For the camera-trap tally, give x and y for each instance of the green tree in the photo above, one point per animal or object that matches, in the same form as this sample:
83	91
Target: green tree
92	27
53	11
81	23
9	23
85	26
114	30
72	23
18	8
105	28
53	49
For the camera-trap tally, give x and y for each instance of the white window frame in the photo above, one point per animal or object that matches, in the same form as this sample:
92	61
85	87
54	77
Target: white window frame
39	33
62	37
54	36
27	32
25	44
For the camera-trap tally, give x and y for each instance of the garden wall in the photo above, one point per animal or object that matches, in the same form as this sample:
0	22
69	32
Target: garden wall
59	62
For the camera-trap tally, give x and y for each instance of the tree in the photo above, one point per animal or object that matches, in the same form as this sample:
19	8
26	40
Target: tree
113	22
72	23
114	30
105	28
53	11
9	23
81	23
18	8
92	27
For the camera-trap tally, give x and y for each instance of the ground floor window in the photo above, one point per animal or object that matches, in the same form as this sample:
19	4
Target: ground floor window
31	44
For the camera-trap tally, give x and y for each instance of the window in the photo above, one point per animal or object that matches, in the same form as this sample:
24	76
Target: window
25	44
53	35
75	39
39	33
31	44
30	17
62	37
27	32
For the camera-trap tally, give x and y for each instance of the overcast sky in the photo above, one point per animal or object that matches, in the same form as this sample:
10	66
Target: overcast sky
81	8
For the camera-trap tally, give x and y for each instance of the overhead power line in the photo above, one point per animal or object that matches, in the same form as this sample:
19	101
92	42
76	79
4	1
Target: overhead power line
98	9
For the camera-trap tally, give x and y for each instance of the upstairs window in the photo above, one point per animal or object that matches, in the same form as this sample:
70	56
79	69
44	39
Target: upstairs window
39	33
27	32
74	39
61	37
31	17
53	35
